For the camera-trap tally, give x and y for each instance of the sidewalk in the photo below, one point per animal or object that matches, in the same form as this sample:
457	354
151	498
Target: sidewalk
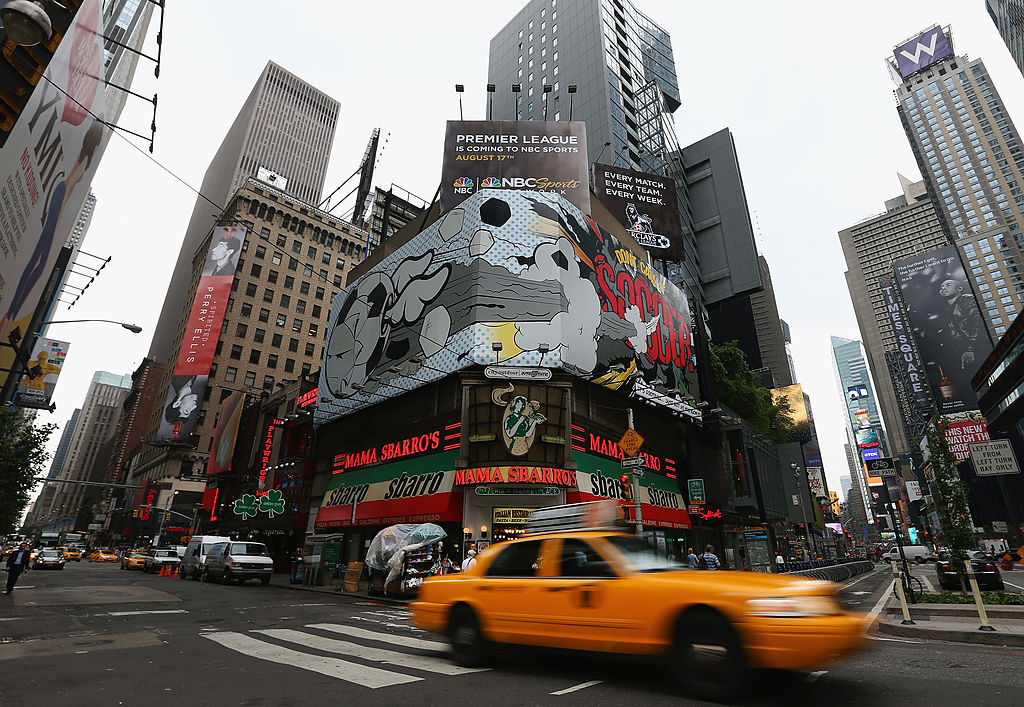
957	623
282	581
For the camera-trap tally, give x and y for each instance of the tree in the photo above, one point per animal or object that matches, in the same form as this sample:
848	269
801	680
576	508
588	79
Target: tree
949	492
741	390
22	456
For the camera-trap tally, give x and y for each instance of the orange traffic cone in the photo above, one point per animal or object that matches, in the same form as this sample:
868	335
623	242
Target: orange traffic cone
163	570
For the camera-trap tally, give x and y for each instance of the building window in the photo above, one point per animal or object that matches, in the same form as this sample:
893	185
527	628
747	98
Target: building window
236	352
259	335
281	320
306	369
268	295
272	277
254	356
264	315
296	246
317	309
272	361
246	309
289	365
289	282
250	289
261	251
293	264
286	301
256	269
276	258
297	324
304	288
268	382
293	344
313	328
240	331
319	293
309	348
230	373
275	341
250	378
300	306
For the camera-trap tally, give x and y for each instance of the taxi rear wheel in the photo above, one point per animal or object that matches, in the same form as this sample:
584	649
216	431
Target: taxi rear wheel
468	646
708	659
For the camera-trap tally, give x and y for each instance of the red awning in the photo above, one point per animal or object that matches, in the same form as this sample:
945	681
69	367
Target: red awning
653	516
431	508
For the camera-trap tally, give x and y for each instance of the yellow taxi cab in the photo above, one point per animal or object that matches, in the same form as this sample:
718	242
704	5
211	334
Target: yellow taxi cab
102	556
33	554
73	553
133	561
609	591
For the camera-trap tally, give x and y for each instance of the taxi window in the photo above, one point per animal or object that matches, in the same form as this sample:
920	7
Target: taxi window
579	559
518	559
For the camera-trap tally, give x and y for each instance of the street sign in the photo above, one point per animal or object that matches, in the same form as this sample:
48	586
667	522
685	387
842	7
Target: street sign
630	462
796	499
517	373
999	526
884	466
631	442
993	458
651	240
696	491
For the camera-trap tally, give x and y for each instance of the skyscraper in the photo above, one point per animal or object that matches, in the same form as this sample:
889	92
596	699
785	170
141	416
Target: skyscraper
1008	16
283	132
909	225
972	161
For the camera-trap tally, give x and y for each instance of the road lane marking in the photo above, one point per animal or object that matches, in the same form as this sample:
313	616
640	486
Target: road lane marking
813	677
331	645
879	605
1013	585
894	640
140	613
574	688
859	579
332	667
406	641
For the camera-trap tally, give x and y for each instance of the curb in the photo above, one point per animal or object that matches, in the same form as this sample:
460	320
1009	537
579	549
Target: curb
988	638
344	596
993	611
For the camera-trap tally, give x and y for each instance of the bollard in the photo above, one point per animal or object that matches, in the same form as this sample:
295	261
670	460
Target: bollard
985	625
903	597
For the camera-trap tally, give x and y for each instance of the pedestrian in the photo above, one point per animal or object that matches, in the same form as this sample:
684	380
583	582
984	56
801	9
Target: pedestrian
470	560
17	562
710	558
780	562
691	558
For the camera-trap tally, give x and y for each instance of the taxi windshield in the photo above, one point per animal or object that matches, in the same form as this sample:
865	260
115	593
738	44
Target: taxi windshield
641	556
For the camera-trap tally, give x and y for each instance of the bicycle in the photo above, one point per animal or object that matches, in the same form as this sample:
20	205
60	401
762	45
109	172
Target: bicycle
912	587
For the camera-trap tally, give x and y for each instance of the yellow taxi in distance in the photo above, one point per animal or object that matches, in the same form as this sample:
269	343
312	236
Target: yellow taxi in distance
611	592
73	553
102	556
133	561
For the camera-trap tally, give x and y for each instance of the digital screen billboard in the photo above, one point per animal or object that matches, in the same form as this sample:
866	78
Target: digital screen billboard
511	278
870	453
202	332
645	204
946	324
867	437
532	155
922	51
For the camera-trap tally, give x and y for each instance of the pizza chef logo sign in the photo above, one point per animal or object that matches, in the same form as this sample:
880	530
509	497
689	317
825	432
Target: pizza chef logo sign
520	420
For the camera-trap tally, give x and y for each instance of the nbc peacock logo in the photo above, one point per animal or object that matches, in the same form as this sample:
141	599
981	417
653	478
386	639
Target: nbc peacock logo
490	183
463	185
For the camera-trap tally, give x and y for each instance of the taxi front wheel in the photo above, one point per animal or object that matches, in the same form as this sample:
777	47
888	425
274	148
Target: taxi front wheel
708	659
468	645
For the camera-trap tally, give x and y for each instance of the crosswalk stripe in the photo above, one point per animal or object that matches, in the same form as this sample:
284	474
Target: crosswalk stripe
406	641
331	667
330	645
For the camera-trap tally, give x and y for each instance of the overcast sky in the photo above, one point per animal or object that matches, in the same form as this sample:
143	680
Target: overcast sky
802	85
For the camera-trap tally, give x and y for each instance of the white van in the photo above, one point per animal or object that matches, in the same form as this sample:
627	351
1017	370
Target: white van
238	560
914	553
195	554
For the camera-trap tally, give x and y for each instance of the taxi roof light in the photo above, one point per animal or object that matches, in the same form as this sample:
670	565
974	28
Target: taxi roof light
592	515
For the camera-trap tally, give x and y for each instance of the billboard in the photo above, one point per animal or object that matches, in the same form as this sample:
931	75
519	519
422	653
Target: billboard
645	204
509	154
45	170
856	392
202	332
946	324
795	395
227	431
515	278
910	363
36	392
870	453
963	430
867	437
922	51
816	481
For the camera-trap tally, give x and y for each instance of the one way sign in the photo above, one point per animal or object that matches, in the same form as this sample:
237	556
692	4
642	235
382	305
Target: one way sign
881	467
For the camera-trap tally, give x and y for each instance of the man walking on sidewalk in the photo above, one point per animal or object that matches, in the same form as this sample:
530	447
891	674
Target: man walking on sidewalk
17	562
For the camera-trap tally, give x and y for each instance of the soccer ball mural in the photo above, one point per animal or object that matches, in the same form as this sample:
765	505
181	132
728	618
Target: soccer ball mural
524	269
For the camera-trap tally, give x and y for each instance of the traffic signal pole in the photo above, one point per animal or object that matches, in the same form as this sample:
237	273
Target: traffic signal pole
634	481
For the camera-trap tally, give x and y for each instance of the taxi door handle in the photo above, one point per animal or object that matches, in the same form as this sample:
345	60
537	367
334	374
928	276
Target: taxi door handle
559	589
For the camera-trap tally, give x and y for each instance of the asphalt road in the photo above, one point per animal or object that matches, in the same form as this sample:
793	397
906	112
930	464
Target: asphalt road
92	634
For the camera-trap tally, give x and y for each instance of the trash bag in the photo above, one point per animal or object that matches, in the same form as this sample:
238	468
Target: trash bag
387	550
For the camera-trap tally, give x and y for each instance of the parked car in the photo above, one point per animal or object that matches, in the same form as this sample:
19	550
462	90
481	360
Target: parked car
239	560
160	558
133	560
195	554
985	571
49	559
914	553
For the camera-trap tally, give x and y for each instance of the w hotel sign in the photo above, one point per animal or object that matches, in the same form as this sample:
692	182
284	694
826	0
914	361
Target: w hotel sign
922	51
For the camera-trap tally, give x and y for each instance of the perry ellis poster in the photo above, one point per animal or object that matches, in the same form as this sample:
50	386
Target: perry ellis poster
534	155
46	166
35	392
946	323
202	331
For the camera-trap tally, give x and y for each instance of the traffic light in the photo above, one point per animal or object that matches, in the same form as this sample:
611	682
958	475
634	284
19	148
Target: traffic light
626	487
135	513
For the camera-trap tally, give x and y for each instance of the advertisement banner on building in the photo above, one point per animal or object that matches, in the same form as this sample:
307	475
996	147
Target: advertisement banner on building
946	324
914	491
46	166
867	437
963	430
794	395
909	362
645	204
35	392
535	155
922	51
510	278
816	481
661	503
202	332
227	431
